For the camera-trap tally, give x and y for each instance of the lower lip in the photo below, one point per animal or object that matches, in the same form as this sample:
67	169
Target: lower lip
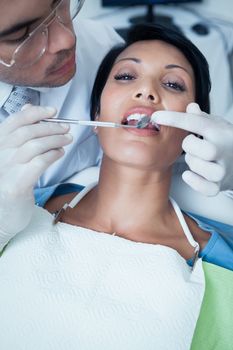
143	132
66	68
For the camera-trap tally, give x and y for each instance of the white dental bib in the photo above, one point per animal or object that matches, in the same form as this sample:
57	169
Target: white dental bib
66	288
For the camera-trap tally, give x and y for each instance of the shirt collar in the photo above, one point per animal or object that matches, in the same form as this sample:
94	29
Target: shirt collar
40	89
5	90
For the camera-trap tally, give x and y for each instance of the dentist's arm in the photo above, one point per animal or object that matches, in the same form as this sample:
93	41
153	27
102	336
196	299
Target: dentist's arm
27	149
210	159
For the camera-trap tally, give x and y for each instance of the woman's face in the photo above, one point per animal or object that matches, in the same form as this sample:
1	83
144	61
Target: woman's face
146	77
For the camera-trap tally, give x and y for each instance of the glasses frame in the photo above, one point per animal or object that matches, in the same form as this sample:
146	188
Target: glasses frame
54	16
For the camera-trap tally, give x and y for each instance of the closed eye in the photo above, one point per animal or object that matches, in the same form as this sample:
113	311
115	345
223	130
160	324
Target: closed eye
124	76
16	38
175	86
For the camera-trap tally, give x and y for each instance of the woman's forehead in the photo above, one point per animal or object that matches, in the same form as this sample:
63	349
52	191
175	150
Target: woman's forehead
155	47
151	49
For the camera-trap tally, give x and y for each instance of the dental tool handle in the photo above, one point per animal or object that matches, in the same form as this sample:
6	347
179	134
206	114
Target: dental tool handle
89	123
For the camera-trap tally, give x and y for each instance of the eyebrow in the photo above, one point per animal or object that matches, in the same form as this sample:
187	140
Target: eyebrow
17	27
137	60
171	66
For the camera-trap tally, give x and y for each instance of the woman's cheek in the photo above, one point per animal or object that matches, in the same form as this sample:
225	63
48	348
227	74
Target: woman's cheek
109	107
178	103
175	138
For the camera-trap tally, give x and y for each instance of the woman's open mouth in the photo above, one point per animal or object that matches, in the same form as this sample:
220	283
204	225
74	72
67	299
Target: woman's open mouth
141	121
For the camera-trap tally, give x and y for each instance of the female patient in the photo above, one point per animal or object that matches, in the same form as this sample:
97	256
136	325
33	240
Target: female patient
122	268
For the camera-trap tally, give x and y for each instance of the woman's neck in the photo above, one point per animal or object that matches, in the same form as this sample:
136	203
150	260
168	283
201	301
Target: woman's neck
129	200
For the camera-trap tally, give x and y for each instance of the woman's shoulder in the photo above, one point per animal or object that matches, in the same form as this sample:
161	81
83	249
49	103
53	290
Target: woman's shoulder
52	198
219	249
44	194
210	224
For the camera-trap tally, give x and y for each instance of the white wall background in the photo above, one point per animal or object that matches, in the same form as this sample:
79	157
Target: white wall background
219	8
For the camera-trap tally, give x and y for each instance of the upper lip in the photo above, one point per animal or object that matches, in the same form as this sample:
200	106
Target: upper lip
69	60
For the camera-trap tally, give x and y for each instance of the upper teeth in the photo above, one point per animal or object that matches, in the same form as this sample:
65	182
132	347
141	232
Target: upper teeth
136	116
139	117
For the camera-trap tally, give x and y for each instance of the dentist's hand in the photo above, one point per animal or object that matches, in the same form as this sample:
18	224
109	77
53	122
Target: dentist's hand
210	159
27	149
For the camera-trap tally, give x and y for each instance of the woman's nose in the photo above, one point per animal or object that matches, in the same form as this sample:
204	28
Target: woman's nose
140	95
147	94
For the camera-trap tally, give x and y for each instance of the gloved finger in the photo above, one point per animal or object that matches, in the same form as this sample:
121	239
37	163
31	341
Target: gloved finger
194	108
211	171
36	167
26	106
30	115
200	148
35	147
204	124
21	178
29	132
200	184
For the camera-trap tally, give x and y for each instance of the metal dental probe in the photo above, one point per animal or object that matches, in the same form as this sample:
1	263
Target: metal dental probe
143	122
140	124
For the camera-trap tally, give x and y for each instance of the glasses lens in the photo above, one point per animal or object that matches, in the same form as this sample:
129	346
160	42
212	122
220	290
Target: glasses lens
32	49
75	7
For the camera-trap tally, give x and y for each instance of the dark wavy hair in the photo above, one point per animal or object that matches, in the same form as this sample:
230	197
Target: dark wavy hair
171	36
